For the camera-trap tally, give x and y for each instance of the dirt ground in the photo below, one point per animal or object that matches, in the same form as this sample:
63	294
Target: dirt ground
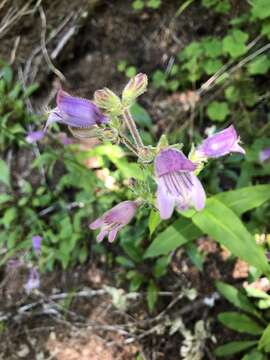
100	34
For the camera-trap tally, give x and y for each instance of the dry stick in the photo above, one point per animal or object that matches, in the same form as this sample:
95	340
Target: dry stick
53	34
12	16
63	42
43	45
14	50
213	79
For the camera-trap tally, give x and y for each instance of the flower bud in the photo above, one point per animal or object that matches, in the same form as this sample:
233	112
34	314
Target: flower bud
108	101
135	87
163	143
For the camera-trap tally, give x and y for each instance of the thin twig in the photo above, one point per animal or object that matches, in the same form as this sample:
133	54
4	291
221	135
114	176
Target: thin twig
50	64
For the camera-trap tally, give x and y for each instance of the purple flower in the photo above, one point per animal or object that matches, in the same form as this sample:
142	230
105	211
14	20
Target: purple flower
36	243
220	144
33	281
114	220
34	136
75	112
177	184
264	154
65	140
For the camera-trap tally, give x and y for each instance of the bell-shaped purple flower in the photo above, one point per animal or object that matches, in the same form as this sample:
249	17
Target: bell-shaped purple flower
264	154
75	112
36	243
177	184
114	220
220	144
33	281
34	136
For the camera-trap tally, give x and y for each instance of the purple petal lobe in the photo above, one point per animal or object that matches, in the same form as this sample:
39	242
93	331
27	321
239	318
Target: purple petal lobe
264	155
112	235
101	235
33	281
170	160
78	112
221	143
197	193
165	203
96	224
36	243
34	136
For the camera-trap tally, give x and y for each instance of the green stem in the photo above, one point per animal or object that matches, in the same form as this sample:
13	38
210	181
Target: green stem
133	128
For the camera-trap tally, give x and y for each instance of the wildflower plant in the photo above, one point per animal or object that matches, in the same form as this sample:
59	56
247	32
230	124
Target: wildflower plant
109	118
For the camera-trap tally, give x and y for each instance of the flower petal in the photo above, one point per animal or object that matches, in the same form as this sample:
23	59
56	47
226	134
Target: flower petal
197	193
112	234
101	235
165	203
237	148
264	154
78	112
171	160
221	143
96	224
34	136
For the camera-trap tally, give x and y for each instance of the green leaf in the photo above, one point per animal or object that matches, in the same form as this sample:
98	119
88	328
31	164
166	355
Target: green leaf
235	43
5	198
175	235
131	71
136	282
256	293
195	256
232	94
159	79
152	296
4	173
259	66
240	323
127	263
138	5
154	4
154	221
141	116
234	347
7	74
266	29
218	110
161	266
264	342
212	47
212	65
260	8
237	298
254	355
222	224
245	199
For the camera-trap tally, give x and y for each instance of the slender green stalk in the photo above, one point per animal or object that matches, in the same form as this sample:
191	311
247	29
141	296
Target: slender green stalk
133	129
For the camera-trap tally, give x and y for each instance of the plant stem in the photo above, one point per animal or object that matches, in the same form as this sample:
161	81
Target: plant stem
128	144
133	128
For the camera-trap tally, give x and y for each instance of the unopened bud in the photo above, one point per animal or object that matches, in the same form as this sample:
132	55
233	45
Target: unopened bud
163	143
108	101
135	87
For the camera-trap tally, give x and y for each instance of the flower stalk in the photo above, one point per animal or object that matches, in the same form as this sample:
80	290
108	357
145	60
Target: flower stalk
129	121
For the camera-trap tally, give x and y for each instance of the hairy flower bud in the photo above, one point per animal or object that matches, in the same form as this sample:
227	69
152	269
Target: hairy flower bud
135	87
108	101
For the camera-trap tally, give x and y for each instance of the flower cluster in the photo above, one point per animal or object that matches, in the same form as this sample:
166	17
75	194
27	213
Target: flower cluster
175	174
